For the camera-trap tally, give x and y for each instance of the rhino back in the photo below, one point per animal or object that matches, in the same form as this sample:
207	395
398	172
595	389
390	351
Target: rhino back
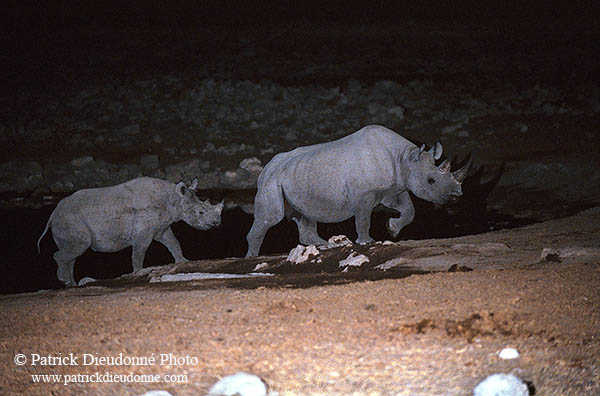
113	215
335	176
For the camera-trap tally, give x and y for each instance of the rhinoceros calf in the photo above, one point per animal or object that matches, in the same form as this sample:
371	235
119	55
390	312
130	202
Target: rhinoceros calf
132	214
331	182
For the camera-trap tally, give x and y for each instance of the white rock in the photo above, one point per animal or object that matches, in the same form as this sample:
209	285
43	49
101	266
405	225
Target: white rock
338	240
85	281
157	393
301	253
501	385
242	384
261	266
353	260
508	353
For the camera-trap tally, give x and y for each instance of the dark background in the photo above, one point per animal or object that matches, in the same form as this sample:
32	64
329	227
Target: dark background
48	42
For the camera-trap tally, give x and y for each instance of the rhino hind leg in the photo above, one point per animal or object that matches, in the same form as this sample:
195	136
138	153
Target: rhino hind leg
72	239
65	260
307	230
64	273
269	210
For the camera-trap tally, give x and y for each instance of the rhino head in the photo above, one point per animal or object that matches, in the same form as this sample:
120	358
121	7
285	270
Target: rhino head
199	214
433	183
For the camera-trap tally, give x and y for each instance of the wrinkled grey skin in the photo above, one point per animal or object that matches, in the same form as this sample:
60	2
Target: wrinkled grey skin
132	214
331	182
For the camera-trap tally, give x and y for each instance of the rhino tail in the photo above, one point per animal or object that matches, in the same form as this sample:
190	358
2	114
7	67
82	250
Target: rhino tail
44	232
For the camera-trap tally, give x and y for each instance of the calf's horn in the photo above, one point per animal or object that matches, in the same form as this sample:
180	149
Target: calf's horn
445	166
461	174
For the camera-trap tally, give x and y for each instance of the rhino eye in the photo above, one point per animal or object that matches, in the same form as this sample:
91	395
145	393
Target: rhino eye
431	180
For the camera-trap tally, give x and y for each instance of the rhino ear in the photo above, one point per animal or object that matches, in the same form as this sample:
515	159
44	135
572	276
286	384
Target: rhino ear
414	154
180	188
436	151
194	184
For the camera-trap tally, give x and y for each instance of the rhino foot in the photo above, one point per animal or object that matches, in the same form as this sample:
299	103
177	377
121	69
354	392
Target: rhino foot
317	241
365	241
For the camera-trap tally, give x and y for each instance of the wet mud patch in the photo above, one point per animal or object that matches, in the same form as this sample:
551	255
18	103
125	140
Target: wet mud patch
308	266
482	323
479	324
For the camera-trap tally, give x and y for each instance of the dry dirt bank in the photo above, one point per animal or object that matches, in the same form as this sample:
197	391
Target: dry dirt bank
433	334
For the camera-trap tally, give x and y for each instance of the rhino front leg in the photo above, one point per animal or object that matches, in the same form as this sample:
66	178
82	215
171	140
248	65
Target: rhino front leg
362	222
307	230
138	252
168	239
404	205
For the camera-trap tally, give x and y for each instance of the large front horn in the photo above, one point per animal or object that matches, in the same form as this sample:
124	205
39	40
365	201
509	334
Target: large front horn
461	174
445	166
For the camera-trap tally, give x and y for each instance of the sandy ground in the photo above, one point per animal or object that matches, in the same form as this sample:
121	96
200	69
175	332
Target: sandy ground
431	334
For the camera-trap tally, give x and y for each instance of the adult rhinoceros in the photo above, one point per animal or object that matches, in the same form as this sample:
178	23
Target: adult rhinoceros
331	182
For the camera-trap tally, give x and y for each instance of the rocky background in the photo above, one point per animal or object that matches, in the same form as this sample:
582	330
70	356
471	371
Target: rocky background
224	131
95	97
